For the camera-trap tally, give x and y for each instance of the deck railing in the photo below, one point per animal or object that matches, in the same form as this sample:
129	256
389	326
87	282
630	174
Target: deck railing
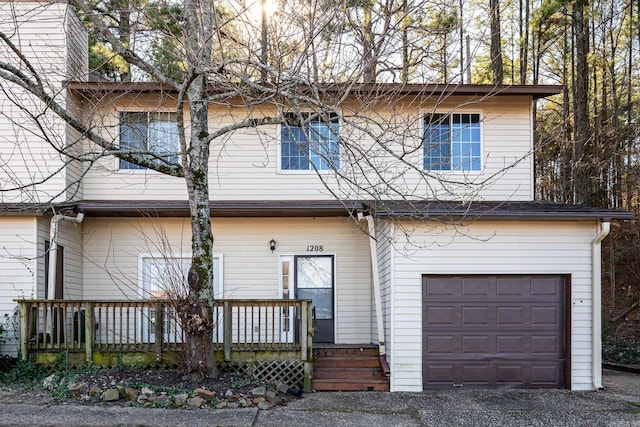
153	326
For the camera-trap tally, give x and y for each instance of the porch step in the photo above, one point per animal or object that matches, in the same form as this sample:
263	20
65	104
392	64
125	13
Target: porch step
350	385
348	368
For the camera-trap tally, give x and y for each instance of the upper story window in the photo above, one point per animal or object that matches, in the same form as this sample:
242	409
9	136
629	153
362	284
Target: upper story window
149	132
452	142
312	145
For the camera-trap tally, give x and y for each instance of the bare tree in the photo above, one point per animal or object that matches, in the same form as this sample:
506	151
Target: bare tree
222	65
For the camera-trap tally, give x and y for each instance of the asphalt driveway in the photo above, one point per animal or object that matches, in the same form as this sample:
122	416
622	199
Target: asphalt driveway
617	405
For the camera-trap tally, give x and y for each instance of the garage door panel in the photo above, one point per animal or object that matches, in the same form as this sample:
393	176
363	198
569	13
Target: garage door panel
494	331
546	344
442	288
546	315
441	344
547	286
547	374
512	344
474	287
510	373
476	373
510	287
441	373
440	315
510	315
475	315
477	344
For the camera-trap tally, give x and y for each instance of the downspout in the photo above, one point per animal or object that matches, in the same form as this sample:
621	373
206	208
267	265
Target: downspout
596	283
53	249
373	249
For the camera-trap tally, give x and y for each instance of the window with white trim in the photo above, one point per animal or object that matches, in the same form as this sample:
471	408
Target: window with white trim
313	144
452	142
160	277
152	135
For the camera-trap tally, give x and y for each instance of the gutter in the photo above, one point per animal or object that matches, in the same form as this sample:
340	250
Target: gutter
373	249
53	249
596	315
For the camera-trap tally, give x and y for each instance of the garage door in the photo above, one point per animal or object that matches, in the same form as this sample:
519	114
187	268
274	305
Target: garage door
493	331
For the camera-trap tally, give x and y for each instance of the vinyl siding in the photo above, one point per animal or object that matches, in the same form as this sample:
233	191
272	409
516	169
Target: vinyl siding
250	270
70	238
250	156
39	30
76	47
489	247
385	270
18	266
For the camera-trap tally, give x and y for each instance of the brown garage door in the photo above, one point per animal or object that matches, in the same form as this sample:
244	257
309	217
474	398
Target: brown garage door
493	331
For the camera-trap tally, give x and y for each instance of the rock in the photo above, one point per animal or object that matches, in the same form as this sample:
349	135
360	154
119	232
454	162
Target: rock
147	391
94	390
245	403
195	402
180	399
259	391
231	396
271	396
132	393
49	381
163	400
143	399
221	405
282	388
204	393
233	405
264	406
111	395
257	400
76	389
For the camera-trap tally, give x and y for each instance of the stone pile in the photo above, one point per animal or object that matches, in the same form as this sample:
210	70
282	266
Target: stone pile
260	397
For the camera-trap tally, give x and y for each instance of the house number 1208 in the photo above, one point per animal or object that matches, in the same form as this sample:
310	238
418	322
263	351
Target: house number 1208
315	248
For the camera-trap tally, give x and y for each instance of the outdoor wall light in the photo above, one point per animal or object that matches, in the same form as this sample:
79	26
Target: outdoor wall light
272	245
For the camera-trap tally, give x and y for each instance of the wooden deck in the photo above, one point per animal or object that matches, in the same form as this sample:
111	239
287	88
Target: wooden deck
148	333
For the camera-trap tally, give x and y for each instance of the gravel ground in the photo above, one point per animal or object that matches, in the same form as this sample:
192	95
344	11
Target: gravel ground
617	405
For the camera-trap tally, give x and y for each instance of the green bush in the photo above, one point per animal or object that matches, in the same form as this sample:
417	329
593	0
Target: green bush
24	372
620	350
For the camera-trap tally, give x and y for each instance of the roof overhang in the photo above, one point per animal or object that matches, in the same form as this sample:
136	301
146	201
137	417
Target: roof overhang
507	210
402	210
377	89
177	208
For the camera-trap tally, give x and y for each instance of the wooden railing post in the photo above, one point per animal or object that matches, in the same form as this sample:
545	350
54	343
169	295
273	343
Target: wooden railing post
24	329
304	329
306	342
227	324
89	330
159	324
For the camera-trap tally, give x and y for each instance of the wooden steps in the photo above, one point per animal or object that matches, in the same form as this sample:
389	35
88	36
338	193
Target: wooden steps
348	368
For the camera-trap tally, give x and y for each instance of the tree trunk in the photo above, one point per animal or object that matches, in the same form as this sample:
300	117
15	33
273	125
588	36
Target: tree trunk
124	33
196	311
404	76
524	41
369	60
582	178
496	43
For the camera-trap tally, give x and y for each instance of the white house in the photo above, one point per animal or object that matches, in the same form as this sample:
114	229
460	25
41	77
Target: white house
441	255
